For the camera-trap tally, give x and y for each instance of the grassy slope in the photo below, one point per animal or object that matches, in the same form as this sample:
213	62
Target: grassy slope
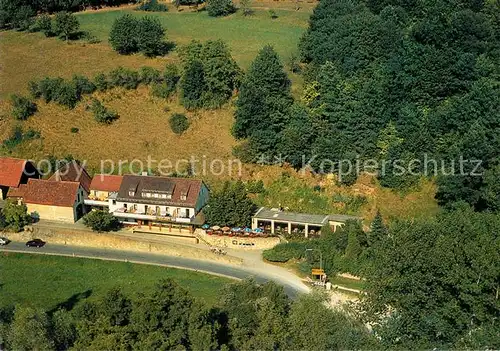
46	281
29	56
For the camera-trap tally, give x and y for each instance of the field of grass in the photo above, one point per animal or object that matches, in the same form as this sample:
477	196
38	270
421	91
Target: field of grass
46	281
27	56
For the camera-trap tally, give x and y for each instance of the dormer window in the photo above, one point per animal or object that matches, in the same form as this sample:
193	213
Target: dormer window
169	196
183	197
131	193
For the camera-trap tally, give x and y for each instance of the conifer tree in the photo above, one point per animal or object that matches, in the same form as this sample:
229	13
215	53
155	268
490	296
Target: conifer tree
265	96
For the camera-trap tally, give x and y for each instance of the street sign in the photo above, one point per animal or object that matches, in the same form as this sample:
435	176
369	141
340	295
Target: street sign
317	271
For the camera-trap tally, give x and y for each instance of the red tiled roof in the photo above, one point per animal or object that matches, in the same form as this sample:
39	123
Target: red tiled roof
73	172
104	182
16	192
11	171
175	186
53	193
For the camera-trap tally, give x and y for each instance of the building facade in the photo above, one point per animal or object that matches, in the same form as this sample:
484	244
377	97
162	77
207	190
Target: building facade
147	200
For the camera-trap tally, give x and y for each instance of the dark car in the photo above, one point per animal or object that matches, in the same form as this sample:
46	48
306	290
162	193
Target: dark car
35	243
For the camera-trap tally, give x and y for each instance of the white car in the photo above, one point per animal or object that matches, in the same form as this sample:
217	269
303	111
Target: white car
4	241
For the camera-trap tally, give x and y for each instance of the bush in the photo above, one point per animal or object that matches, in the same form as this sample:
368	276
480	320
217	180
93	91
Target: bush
15	216
193	85
74	130
150	35
152	6
48	88
101	113
44	25
150	75
22	107
179	123
66	25
122	77
285	252
273	14
171	76
101	82
216	8
123	37
34	89
67	95
83	85
255	186
161	90
170	79
101	221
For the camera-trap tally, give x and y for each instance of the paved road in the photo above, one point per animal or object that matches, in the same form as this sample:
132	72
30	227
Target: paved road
292	287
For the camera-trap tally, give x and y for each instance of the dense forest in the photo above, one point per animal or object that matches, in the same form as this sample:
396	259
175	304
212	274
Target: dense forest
248	317
404	82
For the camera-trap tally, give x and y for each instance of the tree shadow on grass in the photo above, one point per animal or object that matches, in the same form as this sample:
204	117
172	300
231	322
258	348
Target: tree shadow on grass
70	303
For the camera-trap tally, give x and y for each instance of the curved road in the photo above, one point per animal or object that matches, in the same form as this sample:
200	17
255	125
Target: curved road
263	273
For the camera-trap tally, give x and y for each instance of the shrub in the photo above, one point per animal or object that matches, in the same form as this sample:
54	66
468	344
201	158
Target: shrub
122	77
193	85
285	252
150	36
152	6
31	134
15	138
15	215
67	95
22	107
100	221
122	36
255	186
160	90
216	8
273	14
150	75
170	79
74	130
34	89
171	76
178	123
66	25
101	82
44	25
83	85
48	88
101	113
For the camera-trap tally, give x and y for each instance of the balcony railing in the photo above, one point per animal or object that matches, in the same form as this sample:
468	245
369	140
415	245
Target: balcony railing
92	202
152	216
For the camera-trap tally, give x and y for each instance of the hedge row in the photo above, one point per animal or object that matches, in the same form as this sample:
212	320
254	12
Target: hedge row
69	92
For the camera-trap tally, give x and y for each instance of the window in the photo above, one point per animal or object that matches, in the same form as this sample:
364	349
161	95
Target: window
169	196
183	197
155	195
114	202
131	193
163	196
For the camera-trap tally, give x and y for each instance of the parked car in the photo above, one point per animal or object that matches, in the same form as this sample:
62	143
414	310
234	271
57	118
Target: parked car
4	241
35	243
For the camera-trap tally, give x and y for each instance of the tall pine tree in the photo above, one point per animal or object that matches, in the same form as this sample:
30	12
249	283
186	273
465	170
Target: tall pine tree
265	96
